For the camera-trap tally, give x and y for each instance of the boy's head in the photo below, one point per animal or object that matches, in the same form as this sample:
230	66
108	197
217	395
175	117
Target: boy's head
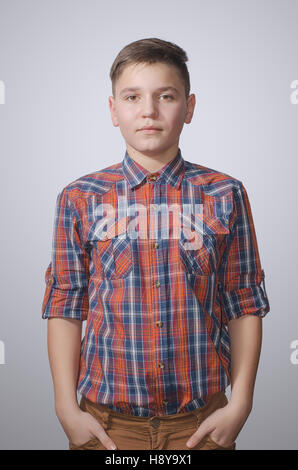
148	67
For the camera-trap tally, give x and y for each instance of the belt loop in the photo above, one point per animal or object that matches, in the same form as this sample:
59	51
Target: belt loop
105	415
98	411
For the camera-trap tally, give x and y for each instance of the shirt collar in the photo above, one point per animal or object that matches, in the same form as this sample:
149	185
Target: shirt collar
171	173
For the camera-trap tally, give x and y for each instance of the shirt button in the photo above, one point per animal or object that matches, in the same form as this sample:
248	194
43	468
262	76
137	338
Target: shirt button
154	206
157	284
152	178
50	280
161	365
156	245
165	402
159	323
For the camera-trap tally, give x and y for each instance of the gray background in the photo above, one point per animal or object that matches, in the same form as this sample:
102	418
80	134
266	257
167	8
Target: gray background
55	126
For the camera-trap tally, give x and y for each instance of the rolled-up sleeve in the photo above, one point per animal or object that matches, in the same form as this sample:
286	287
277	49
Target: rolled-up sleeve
241	277
67	275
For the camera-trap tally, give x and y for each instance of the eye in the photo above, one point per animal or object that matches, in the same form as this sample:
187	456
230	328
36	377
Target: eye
131	96
134	96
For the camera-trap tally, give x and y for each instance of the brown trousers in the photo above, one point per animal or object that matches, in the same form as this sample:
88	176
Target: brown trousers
156	432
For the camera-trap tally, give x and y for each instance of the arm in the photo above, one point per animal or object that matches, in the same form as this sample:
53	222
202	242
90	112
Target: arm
244	303
66	302
227	422
64	342
66	305
246	341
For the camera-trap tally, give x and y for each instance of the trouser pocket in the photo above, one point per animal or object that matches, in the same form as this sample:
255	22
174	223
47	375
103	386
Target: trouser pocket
214	402
102	415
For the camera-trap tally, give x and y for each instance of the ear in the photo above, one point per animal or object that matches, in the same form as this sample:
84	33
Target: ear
191	102
112	107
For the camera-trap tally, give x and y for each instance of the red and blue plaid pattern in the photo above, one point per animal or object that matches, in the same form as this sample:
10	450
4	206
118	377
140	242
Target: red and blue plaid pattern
157	306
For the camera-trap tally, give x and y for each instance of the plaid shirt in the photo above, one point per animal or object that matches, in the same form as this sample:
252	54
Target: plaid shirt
157	305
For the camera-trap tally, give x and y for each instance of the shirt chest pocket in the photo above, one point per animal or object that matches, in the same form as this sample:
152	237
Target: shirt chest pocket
112	253
200	241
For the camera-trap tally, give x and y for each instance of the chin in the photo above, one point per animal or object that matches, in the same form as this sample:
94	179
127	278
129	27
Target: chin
152	150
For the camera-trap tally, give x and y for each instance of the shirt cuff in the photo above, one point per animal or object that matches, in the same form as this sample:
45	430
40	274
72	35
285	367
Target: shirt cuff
249	300
64	303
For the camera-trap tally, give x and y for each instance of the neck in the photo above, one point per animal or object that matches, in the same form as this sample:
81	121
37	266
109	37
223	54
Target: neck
152	162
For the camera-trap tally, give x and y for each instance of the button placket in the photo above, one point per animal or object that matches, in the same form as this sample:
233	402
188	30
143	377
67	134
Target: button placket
159	323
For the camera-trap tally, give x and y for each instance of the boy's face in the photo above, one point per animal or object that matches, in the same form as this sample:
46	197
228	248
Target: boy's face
166	109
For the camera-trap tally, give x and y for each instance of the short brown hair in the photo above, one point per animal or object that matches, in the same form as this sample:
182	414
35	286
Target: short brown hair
150	51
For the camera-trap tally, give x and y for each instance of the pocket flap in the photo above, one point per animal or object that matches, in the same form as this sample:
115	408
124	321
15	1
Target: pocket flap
206	223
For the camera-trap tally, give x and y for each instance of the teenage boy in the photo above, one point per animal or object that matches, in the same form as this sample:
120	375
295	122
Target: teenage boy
171	320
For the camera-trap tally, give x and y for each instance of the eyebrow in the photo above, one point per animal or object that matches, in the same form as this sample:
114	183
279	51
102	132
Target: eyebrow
163	88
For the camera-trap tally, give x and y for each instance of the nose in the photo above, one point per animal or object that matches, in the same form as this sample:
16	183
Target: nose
149	108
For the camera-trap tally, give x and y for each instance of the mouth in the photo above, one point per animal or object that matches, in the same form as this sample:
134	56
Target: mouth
150	130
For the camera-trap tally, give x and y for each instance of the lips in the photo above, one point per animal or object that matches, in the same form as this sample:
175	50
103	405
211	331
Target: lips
150	128
150	131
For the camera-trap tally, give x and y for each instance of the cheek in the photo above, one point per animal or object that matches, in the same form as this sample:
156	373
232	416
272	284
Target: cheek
125	114
176	122
176	116
127	120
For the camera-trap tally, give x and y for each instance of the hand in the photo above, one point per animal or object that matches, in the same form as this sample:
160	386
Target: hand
223	425
80	426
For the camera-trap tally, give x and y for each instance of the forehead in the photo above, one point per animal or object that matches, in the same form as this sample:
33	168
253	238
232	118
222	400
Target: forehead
141	76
